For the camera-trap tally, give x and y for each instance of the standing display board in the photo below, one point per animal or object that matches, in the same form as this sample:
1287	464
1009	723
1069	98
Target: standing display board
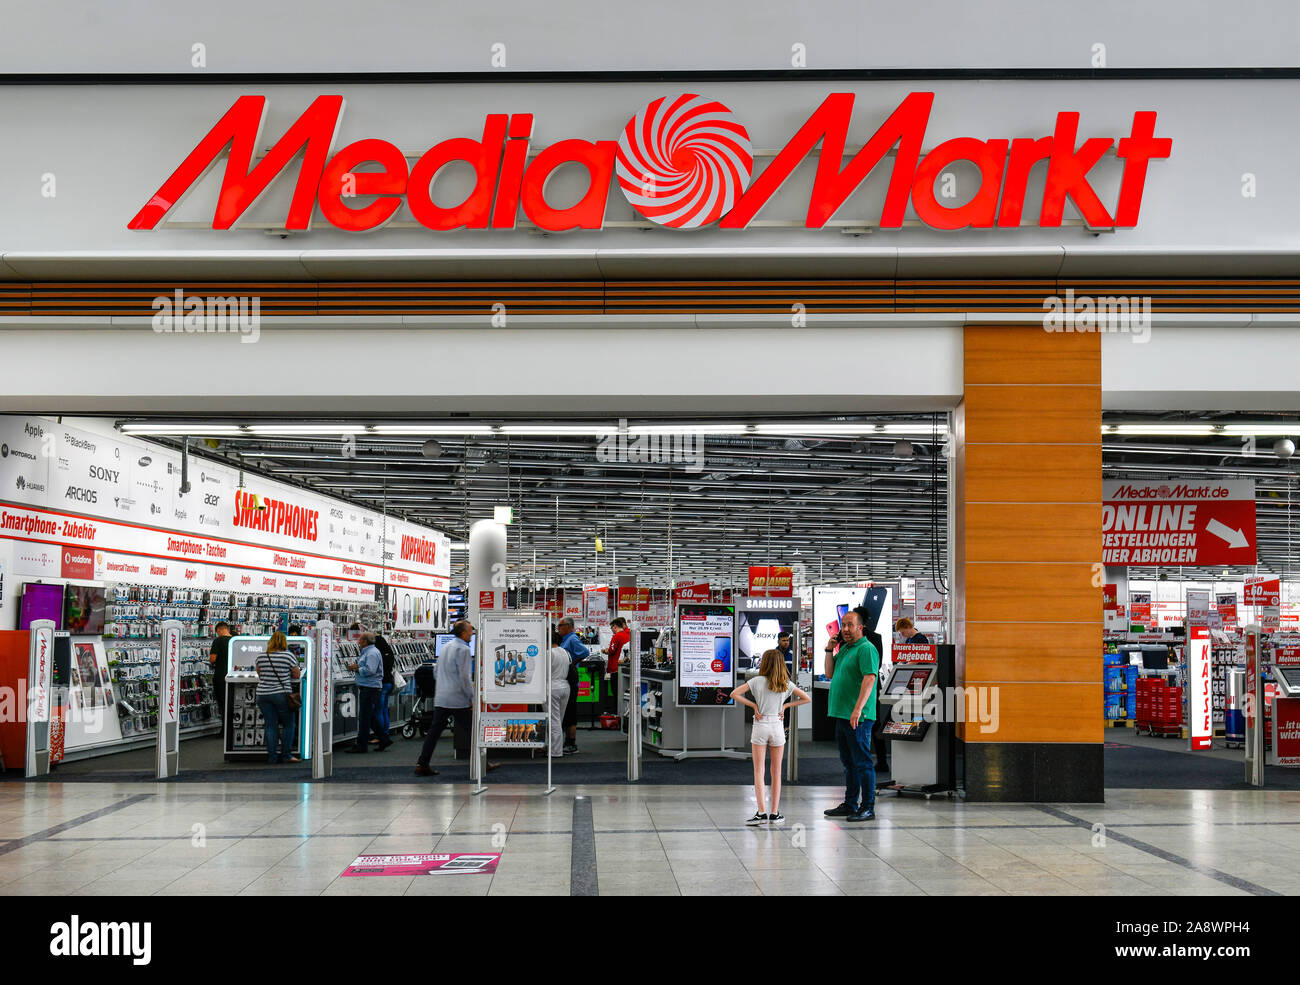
1200	710
1253	710
322	698
40	677
512	667
169	686
706	664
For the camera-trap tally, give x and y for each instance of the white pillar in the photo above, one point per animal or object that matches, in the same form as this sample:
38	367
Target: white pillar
487	557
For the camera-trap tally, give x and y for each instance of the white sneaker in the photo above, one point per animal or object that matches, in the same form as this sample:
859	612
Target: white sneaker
756	820
776	819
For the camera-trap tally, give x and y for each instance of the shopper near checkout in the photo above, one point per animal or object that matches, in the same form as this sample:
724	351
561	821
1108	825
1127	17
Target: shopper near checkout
770	688
454	694
560	664
369	668
622	637
277	671
577	651
852	705
219	657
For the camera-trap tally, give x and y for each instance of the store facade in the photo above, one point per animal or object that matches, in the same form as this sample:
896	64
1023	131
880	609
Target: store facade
614	244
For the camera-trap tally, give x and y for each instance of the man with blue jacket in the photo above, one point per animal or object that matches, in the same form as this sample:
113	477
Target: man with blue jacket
577	651
369	668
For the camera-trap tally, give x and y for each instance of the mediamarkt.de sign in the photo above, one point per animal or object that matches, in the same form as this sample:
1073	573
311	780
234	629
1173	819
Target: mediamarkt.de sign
683	161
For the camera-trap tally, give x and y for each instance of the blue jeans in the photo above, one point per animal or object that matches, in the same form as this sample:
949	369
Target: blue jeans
275	709
381	722
368	718
855	755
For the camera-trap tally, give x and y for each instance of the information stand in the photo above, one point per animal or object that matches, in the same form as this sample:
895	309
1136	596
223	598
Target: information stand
512	667
40	675
632	712
169	684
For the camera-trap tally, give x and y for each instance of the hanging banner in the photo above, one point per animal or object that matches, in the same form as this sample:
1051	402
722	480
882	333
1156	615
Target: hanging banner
1263	590
1205	523
574	604
595	604
691	591
1110	596
772	581
1226	605
929	607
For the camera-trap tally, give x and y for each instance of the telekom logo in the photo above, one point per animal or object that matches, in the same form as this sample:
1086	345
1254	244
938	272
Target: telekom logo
683	161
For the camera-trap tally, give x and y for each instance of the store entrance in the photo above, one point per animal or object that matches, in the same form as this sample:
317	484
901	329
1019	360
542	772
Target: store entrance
272	525
1199	549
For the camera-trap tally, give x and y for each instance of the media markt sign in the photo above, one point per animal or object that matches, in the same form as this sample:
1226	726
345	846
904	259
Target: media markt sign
684	161
1188	523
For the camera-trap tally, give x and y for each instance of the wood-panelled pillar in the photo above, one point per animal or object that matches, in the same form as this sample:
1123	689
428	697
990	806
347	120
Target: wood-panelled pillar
1028	534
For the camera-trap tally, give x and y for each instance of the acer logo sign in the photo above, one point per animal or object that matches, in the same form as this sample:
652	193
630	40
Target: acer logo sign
682	161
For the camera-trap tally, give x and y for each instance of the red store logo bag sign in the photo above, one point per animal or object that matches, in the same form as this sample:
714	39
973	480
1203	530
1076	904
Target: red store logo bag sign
682	161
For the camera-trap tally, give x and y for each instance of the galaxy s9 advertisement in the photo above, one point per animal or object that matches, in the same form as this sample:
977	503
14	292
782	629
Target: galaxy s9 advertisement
706	659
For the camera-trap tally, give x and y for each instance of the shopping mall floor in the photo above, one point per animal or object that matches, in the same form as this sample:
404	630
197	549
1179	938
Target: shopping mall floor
59	838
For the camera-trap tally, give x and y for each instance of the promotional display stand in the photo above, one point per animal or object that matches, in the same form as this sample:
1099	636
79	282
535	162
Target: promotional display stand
40	677
919	728
322	699
1253	710
705	678
512	667
169	726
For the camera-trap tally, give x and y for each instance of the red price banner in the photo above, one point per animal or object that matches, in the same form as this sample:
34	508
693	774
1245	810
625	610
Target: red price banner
687	591
1262	590
1110	596
773	581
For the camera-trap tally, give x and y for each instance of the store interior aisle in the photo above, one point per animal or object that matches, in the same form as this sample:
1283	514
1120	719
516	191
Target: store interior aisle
227	838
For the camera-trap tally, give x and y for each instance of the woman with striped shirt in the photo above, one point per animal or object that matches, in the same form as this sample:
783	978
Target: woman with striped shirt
277	669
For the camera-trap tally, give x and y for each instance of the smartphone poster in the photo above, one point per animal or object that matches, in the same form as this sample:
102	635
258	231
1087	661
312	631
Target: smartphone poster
515	649
706	661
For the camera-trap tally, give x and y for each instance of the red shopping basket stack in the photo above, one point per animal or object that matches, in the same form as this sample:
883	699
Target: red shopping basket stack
1159	707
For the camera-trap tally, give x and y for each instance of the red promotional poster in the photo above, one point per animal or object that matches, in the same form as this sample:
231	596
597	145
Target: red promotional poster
487	600
1226	606
773	581
1263	590
422	865
1286	731
691	591
1110	596
1202	523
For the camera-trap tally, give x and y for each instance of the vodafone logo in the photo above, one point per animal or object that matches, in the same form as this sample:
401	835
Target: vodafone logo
684	162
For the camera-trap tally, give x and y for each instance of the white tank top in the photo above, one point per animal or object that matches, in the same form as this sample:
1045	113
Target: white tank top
769	702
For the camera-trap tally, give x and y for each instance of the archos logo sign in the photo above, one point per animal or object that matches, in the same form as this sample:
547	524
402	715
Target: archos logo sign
683	161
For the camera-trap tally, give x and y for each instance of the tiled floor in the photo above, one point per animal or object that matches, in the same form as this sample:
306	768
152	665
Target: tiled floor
230	838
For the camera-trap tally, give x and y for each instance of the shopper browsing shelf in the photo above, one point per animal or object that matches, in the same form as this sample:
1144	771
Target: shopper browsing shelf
560	664
277	670
577	651
219	657
770	690
369	668
454	695
853	671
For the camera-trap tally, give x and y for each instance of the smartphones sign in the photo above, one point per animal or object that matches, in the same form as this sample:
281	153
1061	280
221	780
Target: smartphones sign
706	665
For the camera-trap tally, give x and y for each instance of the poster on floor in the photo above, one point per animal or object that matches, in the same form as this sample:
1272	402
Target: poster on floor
706	665
460	863
513	646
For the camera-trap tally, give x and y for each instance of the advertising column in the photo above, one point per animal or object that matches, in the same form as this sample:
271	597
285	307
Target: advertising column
39	677
169	697
706	666
322	764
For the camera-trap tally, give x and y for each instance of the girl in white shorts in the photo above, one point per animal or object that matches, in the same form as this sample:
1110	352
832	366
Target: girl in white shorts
770	691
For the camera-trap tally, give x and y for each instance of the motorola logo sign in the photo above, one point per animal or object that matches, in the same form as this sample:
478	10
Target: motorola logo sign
4	451
204	477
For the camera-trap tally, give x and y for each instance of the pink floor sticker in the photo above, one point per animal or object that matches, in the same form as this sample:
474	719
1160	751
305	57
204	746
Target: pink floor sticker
422	865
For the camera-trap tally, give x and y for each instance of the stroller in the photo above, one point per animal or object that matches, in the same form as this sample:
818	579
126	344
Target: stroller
421	719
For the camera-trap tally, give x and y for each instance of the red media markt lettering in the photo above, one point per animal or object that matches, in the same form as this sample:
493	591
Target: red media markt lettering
363	185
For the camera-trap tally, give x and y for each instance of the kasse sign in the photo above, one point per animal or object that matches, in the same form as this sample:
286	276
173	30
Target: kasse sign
682	161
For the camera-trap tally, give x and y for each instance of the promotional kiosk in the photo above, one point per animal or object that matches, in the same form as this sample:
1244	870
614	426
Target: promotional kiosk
920	719
243	728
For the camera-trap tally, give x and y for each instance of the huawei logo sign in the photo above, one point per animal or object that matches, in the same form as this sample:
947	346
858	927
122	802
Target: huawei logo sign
684	162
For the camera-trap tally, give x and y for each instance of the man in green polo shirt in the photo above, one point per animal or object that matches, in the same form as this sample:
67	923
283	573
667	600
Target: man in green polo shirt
852	707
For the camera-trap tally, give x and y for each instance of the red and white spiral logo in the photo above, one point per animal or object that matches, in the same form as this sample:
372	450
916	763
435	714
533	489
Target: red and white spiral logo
684	161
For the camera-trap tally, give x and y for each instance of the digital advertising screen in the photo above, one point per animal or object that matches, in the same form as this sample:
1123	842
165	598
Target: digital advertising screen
831	603
706	659
41	602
